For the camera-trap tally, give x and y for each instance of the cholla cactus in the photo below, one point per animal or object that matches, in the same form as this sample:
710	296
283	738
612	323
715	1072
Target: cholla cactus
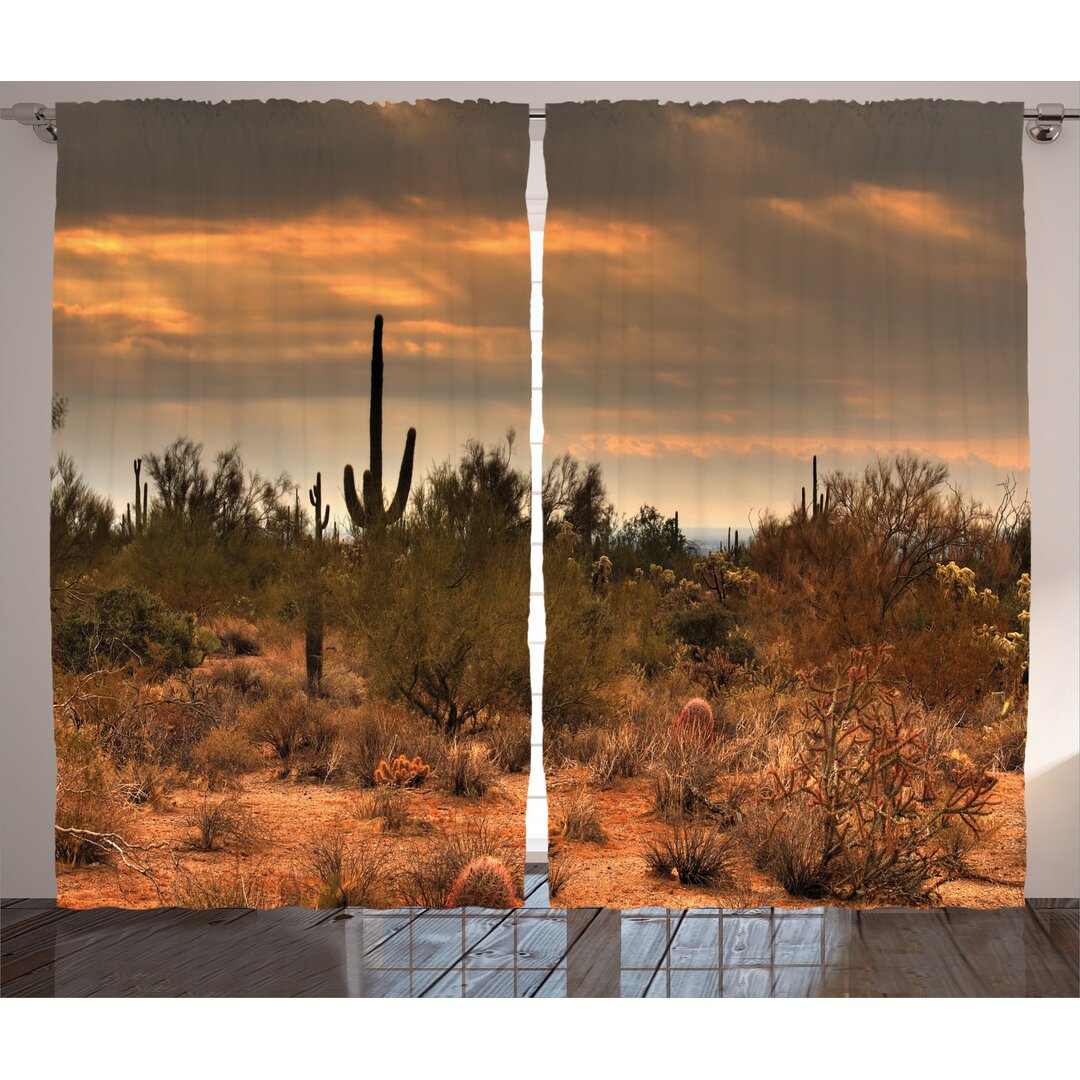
601	572
695	723
485	882
959	583
402	772
663	579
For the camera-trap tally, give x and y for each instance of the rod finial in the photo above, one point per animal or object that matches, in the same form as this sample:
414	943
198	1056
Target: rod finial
1046	126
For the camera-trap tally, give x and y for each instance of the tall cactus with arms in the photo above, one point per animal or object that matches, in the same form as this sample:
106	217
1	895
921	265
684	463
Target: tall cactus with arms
366	509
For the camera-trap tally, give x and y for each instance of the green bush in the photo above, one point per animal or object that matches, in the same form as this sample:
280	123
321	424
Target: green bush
124	626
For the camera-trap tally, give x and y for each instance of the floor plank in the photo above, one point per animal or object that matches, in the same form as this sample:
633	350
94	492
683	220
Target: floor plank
534	951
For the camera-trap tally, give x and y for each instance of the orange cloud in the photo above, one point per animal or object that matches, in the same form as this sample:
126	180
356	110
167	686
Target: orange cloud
1003	454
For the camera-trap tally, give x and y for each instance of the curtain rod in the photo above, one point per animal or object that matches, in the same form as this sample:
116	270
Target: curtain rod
1043	121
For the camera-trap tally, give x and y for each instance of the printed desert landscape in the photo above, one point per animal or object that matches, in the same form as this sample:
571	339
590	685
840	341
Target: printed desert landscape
715	735
786	527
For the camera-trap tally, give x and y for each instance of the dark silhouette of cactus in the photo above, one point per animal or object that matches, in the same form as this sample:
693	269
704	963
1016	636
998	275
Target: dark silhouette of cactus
820	503
366	509
131	527
485	882
315	622
140	504
322	513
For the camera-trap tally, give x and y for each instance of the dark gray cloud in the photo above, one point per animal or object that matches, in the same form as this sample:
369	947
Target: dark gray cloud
721	279
285	158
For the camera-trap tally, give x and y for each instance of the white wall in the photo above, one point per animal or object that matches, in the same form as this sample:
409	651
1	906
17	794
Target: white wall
27	181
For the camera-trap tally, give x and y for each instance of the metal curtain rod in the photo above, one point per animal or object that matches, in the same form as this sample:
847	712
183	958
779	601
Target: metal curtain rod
1043	121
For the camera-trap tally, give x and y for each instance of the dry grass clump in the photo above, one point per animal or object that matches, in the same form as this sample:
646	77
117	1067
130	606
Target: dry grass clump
427	880
579	819
1003	742
620	754
348	872
145	783
509	740
89	808
384	803
561	870
215	821
241	677
237	636
219	889
223	755
466	769
697	852
790	844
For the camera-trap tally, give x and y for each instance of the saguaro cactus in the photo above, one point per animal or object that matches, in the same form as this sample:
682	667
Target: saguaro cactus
315	621
819	506
366	509
141	497
322	514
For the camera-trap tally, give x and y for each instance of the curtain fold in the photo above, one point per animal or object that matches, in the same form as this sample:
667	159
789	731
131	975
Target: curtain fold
787	537
289	526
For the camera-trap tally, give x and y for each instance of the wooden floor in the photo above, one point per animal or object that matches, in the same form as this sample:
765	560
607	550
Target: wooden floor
537	952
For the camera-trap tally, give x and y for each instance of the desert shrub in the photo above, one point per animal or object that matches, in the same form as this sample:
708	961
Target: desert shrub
683	780
466	769
122	626
219	889
427	880
89	810
509	740
80	526
579	819
865	767
581	656
375	733
1003	742
217	820
698	853
955	841
348	873
301	731
442	604
791	845
237	636
223	754
704	626
241	677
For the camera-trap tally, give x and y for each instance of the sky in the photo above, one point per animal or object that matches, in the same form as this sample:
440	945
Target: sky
731	289
218	269
728	290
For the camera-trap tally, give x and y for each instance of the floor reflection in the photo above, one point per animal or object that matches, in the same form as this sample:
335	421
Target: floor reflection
537	952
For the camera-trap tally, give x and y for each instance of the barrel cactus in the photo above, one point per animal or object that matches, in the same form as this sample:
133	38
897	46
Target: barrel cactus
695	723
485	882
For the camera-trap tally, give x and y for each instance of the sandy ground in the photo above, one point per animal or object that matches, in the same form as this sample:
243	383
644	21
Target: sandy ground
287	814
613	874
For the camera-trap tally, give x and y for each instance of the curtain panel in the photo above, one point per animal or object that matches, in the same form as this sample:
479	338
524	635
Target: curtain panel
289	520
786	528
